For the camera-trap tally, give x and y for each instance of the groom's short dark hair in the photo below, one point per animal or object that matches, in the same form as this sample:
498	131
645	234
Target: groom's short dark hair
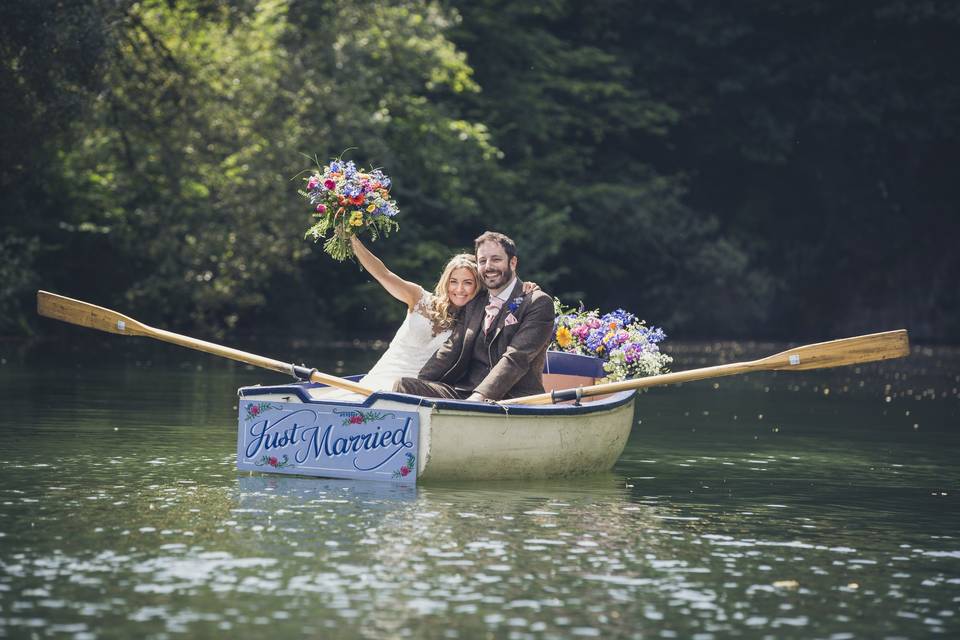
492	236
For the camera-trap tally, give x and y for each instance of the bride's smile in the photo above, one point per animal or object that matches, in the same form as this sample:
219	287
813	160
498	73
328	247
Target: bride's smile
462	286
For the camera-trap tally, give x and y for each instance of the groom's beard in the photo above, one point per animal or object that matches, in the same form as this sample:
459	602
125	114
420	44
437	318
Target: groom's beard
495	280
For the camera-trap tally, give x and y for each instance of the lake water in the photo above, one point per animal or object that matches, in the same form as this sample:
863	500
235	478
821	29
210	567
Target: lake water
819	504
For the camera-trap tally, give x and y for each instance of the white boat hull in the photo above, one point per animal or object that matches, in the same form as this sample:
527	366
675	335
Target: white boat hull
462	440
471	441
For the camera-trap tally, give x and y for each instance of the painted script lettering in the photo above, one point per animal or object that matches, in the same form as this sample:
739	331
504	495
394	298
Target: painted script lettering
310	435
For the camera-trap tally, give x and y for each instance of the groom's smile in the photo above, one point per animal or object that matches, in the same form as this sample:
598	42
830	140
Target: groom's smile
496	268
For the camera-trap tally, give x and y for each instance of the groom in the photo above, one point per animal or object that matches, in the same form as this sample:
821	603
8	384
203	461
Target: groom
497	350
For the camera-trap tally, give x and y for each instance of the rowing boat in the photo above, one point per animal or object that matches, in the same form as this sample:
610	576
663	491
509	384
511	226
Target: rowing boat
457	440
579	427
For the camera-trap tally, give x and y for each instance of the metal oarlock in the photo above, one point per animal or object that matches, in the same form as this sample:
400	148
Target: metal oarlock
300	372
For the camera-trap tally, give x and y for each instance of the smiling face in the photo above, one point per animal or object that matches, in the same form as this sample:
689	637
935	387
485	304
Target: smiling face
462	286
495	268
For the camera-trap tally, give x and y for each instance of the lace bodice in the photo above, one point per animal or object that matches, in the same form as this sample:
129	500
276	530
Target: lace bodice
415	341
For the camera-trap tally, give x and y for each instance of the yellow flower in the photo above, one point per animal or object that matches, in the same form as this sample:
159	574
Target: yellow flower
564	338
371	208
356	219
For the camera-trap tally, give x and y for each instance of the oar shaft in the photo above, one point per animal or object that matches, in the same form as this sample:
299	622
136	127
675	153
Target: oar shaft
218	350
835	353
253	359
88	315
676	377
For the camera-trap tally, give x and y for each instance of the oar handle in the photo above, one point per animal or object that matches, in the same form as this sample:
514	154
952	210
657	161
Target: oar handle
253	359
89	315
835	353
676	377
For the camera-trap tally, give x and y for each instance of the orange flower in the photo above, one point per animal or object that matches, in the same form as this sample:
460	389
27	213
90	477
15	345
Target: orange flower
564	337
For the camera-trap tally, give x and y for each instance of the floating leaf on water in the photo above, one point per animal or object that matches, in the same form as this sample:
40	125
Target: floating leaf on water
786	584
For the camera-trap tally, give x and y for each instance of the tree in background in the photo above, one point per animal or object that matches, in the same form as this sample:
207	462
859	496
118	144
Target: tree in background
764	169
51	58
823	137
602	218
182	166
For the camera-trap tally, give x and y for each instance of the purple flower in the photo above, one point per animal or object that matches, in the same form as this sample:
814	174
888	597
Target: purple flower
619	317
595	340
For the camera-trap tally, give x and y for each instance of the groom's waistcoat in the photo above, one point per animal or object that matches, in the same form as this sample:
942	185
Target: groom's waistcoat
479	366
505	362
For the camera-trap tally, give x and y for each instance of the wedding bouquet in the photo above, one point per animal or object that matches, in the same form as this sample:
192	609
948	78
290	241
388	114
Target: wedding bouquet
625	344
348	201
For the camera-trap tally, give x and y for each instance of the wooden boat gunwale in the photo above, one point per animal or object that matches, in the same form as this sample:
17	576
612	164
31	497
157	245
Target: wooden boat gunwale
465	440
301	391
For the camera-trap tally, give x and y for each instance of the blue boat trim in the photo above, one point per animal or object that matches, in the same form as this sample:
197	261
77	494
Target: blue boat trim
556	362
301	391
573	364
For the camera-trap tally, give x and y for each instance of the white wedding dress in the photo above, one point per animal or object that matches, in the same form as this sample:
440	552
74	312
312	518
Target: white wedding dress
415	341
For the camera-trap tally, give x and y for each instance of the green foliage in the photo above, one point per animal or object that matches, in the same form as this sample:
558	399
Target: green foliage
755	169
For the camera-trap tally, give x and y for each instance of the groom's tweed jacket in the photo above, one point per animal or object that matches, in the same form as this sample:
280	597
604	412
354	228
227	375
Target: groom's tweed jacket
514	352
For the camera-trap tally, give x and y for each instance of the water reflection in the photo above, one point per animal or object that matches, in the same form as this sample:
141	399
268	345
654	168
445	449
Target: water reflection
760	508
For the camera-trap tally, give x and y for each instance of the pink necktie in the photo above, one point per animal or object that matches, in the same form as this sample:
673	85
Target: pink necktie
492	310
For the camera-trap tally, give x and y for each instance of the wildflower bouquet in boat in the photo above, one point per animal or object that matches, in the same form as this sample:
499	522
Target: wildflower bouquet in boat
627	347
348	201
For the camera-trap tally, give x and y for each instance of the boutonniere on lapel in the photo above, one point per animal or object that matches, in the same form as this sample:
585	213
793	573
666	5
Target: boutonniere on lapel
512	306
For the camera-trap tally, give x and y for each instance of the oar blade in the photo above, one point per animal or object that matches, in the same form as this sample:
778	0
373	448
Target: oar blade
839	353
84	314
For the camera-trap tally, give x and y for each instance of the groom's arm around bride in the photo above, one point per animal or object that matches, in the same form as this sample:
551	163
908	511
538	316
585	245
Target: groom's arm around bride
498	346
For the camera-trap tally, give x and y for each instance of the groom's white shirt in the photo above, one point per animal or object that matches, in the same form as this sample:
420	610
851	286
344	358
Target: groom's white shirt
507	290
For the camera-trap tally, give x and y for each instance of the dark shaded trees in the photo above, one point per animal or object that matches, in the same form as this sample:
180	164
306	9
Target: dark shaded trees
777	169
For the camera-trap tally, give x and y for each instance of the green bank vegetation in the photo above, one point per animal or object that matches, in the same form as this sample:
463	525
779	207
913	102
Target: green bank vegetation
776	169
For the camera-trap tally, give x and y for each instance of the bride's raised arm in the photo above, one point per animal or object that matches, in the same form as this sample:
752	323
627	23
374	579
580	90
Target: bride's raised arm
403	290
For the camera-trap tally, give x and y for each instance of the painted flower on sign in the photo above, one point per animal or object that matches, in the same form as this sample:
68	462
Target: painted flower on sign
274	461
362	417
406	467
254	409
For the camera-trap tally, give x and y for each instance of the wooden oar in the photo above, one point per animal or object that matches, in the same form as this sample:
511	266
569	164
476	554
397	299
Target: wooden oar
89	315
836	353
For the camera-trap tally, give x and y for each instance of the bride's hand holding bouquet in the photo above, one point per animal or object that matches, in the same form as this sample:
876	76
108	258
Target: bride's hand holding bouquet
348	202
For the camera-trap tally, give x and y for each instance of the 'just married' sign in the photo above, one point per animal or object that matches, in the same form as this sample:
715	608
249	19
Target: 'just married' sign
328	441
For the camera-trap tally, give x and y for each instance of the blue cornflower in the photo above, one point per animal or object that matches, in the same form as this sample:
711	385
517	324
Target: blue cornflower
620	317
595	339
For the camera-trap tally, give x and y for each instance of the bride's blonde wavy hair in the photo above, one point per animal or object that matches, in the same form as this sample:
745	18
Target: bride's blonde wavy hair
441	313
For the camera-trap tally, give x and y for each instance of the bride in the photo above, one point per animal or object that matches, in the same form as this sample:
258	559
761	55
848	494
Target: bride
429	321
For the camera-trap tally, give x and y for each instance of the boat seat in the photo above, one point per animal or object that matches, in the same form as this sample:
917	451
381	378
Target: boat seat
563	370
